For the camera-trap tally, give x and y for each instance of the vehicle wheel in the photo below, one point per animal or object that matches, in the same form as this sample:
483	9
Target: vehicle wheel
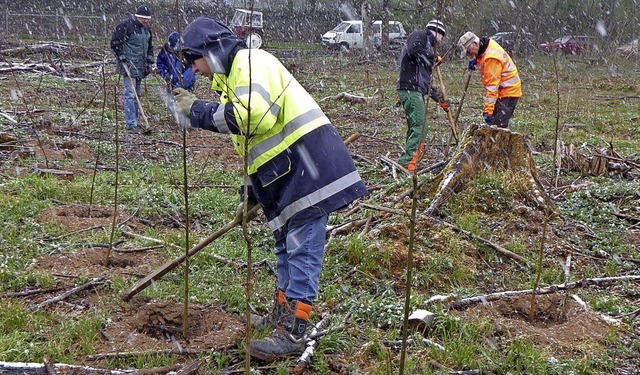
253	40
344	47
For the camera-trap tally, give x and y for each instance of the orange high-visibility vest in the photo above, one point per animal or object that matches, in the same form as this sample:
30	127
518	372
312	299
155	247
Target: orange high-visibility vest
499	76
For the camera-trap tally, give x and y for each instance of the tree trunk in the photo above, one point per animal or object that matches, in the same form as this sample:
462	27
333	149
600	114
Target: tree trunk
366	30
489	149
384	27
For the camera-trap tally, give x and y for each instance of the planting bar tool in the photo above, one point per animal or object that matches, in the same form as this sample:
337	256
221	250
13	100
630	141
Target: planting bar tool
170	265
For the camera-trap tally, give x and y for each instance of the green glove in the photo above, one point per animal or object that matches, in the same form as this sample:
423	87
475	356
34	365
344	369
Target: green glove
184	101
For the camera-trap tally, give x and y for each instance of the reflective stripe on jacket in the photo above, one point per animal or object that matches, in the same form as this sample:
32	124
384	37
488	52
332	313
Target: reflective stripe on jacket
499	76
298	166
281	109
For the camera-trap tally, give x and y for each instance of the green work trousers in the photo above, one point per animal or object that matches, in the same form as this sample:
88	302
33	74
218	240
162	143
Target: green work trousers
414	108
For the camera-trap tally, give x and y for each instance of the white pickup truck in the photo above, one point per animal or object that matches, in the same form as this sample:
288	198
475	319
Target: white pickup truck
348	34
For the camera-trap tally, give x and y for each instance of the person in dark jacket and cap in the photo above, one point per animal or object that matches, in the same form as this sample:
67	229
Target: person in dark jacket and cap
175	72
298	167
132	43
416	61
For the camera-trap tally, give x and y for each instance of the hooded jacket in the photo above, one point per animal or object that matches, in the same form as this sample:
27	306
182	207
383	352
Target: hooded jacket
499	74
133	42
298	166
170	67
416	64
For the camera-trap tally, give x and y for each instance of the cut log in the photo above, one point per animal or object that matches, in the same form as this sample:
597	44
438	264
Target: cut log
486	149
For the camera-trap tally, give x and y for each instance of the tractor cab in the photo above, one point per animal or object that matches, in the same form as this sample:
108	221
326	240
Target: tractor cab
247	24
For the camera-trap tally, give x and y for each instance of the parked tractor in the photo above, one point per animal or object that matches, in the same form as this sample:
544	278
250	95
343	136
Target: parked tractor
247	24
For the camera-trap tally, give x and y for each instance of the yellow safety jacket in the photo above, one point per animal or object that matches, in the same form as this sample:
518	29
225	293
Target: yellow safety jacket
499	76
271	129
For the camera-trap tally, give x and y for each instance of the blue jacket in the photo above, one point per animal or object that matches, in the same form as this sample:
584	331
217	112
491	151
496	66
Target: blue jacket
170	68
416	64
298	165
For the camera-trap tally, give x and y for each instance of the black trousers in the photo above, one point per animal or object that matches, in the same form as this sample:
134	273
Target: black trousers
503	111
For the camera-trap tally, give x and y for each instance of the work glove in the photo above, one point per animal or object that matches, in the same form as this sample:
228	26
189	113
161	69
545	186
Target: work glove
444	104
488	119
149	69
184	101
472	64
439	60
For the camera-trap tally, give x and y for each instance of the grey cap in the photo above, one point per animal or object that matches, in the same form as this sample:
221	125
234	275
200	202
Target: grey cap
465	41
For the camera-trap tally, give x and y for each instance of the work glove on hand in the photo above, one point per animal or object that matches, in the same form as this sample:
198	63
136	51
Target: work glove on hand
123	60
472	64
488	119
444	104
439	60
184	101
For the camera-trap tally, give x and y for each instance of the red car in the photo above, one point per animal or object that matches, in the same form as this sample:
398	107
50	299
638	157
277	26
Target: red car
569	44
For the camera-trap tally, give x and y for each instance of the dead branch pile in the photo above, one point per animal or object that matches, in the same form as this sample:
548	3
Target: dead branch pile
50	47
596	161
59	69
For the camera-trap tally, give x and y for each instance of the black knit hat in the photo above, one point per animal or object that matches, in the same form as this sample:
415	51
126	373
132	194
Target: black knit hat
143	12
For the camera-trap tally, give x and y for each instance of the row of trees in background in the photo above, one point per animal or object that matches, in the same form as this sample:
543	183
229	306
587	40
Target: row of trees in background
611	21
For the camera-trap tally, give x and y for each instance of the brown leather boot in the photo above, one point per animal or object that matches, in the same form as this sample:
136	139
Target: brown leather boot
288	337
270	320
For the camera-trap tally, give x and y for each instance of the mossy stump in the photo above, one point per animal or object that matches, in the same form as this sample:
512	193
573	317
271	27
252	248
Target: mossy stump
485	149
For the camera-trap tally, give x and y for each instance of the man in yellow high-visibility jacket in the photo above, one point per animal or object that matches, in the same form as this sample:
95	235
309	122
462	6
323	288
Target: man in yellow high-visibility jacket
298	167
499	76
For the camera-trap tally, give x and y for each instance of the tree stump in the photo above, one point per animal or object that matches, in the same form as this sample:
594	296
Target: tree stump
489	149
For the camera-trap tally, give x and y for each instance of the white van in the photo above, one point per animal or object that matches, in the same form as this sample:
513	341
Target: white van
348	34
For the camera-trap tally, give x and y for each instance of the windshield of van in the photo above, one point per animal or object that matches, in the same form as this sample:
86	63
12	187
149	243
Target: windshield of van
342	27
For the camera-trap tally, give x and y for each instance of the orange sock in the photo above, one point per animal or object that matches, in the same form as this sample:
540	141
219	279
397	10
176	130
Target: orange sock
303	310
281	297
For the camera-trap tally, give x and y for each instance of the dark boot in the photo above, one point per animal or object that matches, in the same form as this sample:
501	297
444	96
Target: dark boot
270	320
288	337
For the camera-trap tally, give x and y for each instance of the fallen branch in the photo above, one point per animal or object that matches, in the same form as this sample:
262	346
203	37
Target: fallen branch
101	356
397	344
393	164
303	360
72	233
22	368
96	281
466	302
30	292
137	250
627	217
383	209
515	257
192	367
356	99
3	114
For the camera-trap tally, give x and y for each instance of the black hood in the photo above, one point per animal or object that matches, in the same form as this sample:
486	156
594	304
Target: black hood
210	38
